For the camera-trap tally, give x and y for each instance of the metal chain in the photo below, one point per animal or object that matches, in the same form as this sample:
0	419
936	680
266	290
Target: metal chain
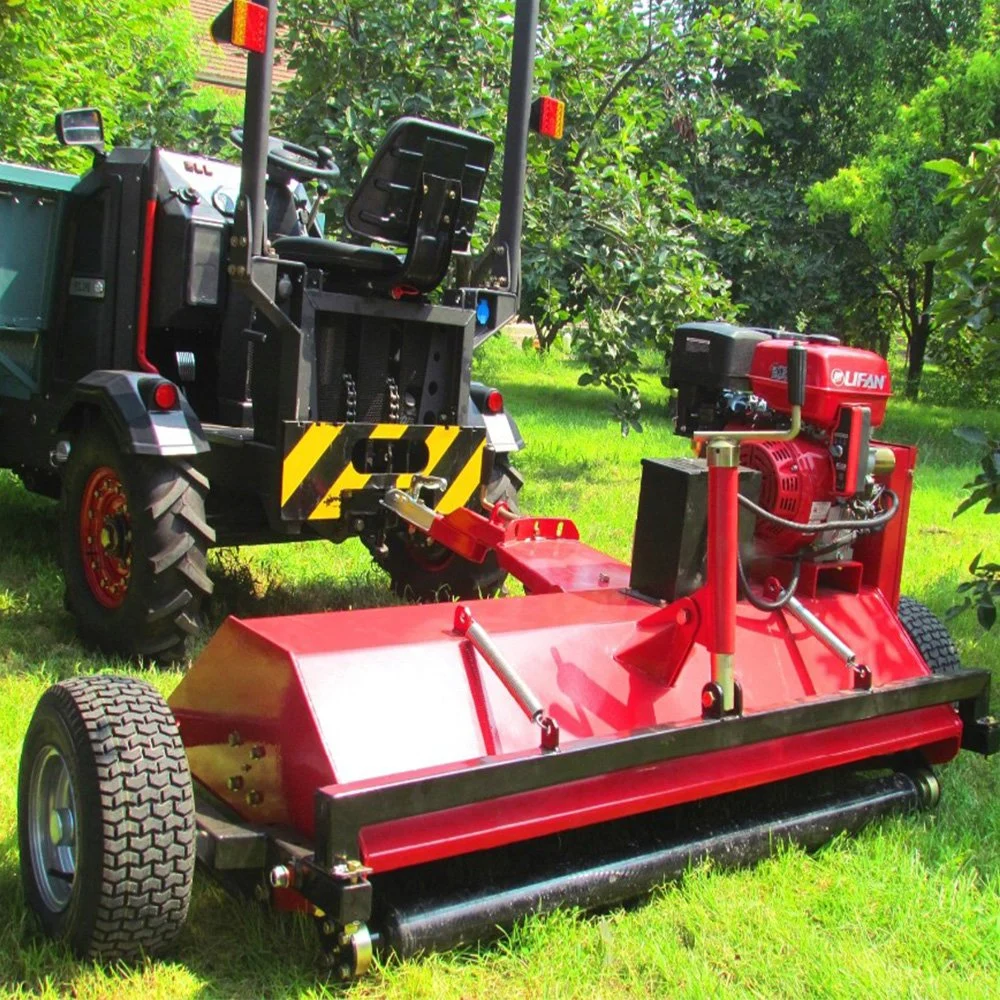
393	392
350	399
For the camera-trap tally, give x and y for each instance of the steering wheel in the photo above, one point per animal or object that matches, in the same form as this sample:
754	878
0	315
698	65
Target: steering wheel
297	161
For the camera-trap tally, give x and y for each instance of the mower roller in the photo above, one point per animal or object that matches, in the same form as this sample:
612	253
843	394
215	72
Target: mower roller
420	777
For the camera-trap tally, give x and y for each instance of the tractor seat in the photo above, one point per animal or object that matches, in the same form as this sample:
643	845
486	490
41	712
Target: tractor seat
336	255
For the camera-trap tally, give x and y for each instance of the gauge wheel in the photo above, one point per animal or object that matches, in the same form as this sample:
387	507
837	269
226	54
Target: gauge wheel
430	572
929	635
133	542
106	818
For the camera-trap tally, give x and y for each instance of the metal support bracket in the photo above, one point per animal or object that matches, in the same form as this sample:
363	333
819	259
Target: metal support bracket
713	699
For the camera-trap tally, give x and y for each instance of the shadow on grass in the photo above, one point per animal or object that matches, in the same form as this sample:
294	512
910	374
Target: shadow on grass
230	947
246	588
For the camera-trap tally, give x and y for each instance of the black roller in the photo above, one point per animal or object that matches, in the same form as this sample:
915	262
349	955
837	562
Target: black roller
472	899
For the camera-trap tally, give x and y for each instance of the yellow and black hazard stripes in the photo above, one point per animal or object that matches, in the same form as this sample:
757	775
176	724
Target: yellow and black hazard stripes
330	470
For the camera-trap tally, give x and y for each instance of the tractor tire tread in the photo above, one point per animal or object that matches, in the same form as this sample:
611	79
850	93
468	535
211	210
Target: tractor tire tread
171	538
455	578
137	795
929	635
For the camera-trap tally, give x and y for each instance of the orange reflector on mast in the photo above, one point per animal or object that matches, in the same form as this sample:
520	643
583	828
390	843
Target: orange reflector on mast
249	25
548	115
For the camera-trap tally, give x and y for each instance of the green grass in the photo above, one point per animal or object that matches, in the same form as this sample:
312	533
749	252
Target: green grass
909	909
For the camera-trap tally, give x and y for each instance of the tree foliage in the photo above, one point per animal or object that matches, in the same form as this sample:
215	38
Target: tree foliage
855	65
968	260
614	240
891	201
982	591
133	59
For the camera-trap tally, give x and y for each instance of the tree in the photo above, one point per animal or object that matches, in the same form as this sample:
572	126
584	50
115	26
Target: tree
614	241
132	59
968	254
854	67
891	200
983	589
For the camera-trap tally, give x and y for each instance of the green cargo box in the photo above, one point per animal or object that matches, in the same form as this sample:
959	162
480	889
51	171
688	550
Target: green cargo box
32	203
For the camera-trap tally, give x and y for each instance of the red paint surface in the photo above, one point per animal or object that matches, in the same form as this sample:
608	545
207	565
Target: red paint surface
145	284
882	553
432	836
723	549
373	696
832	380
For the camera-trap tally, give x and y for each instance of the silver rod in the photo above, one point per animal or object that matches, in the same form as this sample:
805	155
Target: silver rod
520	692
821	631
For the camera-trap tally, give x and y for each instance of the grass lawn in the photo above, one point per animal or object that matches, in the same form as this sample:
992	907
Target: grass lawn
908	909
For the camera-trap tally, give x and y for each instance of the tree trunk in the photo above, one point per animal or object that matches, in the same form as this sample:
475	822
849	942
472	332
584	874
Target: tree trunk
921	326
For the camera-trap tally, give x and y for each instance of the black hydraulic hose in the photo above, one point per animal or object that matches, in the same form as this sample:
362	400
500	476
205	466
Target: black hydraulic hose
758	602
865	524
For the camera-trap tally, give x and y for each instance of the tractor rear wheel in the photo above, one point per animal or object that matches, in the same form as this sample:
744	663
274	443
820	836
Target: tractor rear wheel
133	542
430	572
106	817
929	635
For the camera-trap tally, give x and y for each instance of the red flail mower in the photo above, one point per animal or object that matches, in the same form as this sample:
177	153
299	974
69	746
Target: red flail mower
418	777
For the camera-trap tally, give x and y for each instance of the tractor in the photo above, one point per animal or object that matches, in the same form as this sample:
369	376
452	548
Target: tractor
186	361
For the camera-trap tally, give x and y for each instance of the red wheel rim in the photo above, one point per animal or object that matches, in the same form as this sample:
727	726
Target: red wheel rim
106	537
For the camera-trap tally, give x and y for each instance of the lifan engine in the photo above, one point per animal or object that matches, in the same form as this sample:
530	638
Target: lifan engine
733	377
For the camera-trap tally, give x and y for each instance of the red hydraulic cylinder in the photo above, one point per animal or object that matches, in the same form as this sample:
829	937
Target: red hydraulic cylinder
723	548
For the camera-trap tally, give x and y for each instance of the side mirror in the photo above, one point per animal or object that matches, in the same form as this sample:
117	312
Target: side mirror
81	127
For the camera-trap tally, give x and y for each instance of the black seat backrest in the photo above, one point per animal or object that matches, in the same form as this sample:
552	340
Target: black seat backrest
422	191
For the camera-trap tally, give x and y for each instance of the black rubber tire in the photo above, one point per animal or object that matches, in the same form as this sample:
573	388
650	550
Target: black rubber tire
134	816
432	573
929	635
170	536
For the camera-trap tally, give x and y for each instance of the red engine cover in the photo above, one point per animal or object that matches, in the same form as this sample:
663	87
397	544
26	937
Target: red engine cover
835	376
797	482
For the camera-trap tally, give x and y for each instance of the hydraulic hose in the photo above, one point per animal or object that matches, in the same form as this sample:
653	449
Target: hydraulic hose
865	524
758	602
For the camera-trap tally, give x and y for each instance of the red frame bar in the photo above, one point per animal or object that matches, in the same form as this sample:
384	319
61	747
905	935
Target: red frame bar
145	285
432	836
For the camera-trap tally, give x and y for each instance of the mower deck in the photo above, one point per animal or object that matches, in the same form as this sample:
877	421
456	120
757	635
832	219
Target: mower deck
431	758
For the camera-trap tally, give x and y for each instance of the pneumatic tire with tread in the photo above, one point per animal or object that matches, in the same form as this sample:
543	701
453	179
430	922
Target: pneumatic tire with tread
929	635
167	542
129	848
432	573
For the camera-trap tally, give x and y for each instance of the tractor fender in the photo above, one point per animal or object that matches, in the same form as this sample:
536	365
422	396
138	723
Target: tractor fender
502	435
120	397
